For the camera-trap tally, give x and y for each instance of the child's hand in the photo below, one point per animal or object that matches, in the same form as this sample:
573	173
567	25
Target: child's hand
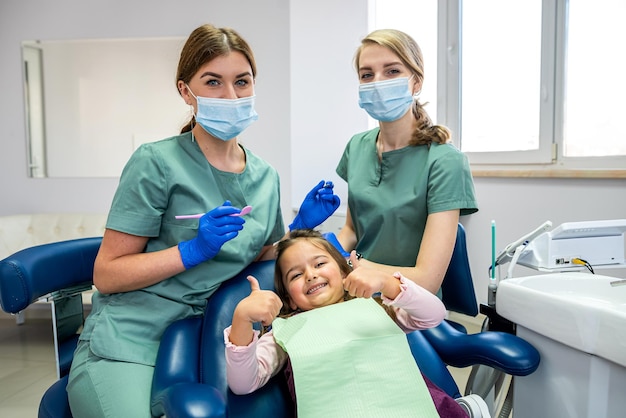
260	306
364	282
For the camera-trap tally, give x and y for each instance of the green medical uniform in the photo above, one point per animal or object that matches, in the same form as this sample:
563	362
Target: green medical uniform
389	200
161	180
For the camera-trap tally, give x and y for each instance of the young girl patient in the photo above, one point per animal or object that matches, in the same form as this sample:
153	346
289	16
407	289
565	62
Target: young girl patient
310	273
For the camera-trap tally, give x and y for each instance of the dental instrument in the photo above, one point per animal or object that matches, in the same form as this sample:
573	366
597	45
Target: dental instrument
244	211
491	299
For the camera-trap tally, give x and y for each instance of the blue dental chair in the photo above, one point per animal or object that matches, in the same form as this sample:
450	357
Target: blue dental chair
190	374
58	272
502	352
189	378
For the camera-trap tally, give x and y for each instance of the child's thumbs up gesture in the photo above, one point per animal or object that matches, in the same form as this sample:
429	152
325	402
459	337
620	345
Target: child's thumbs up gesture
364	282
260	306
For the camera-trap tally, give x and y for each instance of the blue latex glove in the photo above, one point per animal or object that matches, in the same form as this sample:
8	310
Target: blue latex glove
317	206
214	229
332	238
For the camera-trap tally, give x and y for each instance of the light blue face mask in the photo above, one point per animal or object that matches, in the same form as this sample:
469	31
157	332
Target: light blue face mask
387	100
225	118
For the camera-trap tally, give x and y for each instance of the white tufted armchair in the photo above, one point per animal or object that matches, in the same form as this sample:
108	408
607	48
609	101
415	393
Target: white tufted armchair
22	231
18	232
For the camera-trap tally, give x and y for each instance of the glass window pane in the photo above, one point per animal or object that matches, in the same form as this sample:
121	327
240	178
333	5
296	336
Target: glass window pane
595	88
501	74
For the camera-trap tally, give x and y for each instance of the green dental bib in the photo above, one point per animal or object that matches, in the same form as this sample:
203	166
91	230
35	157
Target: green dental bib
351	360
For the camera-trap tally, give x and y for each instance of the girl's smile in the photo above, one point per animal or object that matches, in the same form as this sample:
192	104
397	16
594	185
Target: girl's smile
315	288
312	277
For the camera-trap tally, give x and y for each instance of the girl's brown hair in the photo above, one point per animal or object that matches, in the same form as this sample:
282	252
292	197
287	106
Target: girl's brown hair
410	54
316	239
204	44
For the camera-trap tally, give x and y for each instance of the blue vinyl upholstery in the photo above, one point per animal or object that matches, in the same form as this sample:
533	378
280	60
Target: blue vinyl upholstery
500	350
190	375
189	379
38	271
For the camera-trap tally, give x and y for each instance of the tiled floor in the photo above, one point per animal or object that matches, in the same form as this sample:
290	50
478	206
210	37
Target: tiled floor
27	365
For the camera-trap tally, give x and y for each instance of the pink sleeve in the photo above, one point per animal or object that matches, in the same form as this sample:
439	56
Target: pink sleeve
416	307
249	368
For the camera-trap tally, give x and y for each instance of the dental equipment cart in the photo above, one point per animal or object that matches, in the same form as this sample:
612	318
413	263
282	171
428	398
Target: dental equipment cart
574	317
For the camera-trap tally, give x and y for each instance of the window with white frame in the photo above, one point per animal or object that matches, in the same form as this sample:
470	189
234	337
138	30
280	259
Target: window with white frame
524	85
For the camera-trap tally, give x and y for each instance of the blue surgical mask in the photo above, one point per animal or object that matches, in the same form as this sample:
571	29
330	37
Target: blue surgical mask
387	100
225	118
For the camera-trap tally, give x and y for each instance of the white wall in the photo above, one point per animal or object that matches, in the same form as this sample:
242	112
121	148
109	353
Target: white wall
324	89
265	24
307	100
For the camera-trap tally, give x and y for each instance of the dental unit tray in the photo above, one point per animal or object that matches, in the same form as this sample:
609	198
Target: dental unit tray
599	243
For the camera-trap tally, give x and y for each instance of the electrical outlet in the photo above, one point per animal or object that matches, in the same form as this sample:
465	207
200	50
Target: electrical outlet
565	261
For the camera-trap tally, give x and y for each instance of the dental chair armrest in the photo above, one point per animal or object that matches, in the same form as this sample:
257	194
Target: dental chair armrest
500	350
37	271
430	363
176	388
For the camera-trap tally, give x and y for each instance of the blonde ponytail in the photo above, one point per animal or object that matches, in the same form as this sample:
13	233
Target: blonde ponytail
427	133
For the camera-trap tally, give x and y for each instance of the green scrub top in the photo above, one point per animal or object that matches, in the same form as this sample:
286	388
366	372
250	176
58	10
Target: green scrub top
161	180
389	200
